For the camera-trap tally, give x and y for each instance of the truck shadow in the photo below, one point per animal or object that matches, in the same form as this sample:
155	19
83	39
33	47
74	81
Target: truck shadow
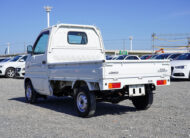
66	105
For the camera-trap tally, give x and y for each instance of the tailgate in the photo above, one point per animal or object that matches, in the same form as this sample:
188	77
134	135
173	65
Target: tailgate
137	68
132	72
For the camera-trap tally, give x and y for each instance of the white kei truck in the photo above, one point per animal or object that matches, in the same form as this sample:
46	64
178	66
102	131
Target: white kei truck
69	60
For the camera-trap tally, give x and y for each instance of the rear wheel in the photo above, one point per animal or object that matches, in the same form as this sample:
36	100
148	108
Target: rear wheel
10	73
143	102
85	102
30	93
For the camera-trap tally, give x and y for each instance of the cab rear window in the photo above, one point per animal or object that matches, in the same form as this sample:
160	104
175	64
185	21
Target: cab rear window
78	38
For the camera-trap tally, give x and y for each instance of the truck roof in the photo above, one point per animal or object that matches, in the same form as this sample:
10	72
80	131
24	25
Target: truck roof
72	25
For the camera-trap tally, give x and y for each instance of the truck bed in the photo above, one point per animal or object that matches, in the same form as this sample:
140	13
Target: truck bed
128	72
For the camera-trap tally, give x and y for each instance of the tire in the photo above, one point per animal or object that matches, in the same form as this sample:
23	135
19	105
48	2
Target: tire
85	102
30	93
10	73
143	102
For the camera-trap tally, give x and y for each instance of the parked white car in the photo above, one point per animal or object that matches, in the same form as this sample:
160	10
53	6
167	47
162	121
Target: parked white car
7	69
180	67
20	71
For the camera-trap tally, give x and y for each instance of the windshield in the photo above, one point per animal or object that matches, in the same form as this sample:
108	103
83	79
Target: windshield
108	57
15	59
162	56
121	57
145	57
5	60
174	56
184	57
24	58
153	56
131	58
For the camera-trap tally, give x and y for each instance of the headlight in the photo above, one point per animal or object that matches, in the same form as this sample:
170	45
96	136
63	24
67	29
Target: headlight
180	67
23	69
18	69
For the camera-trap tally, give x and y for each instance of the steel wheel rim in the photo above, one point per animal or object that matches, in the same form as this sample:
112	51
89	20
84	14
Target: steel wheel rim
82	102
28	93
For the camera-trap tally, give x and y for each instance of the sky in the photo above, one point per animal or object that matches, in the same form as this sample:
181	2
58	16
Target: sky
22	20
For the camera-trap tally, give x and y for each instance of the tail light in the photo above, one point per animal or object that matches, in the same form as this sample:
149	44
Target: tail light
161	82
114	85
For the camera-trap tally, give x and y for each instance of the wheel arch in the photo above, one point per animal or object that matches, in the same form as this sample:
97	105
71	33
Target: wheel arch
26	80
9	68
91	85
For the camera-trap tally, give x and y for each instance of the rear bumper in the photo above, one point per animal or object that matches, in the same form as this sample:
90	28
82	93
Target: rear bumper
133	81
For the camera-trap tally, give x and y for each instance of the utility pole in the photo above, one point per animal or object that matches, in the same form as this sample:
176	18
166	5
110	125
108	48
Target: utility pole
153	46
188	44
8	46
24	47
48	10
131	42
123	44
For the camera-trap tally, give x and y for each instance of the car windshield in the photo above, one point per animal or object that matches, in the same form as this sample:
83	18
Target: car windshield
114	58
145	57
131	58
162	56
121	57
5	60
174	56
15	59
153	56
1	59
184	57
24	58
108	57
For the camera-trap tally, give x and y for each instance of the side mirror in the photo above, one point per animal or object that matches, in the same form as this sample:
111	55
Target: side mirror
29	49
21	60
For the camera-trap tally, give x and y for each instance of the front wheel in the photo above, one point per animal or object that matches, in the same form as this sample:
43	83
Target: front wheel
30	93
143	102
85	102
10	73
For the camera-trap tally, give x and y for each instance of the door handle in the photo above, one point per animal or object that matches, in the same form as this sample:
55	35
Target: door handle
43	62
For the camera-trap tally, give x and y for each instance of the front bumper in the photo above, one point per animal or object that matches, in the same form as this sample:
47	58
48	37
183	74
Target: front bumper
19	73
180	73
2	72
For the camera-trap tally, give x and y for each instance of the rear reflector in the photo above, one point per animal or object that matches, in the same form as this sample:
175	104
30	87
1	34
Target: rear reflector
161	82
114	85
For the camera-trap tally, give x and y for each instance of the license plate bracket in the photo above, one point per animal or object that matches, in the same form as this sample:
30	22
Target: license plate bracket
136	90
